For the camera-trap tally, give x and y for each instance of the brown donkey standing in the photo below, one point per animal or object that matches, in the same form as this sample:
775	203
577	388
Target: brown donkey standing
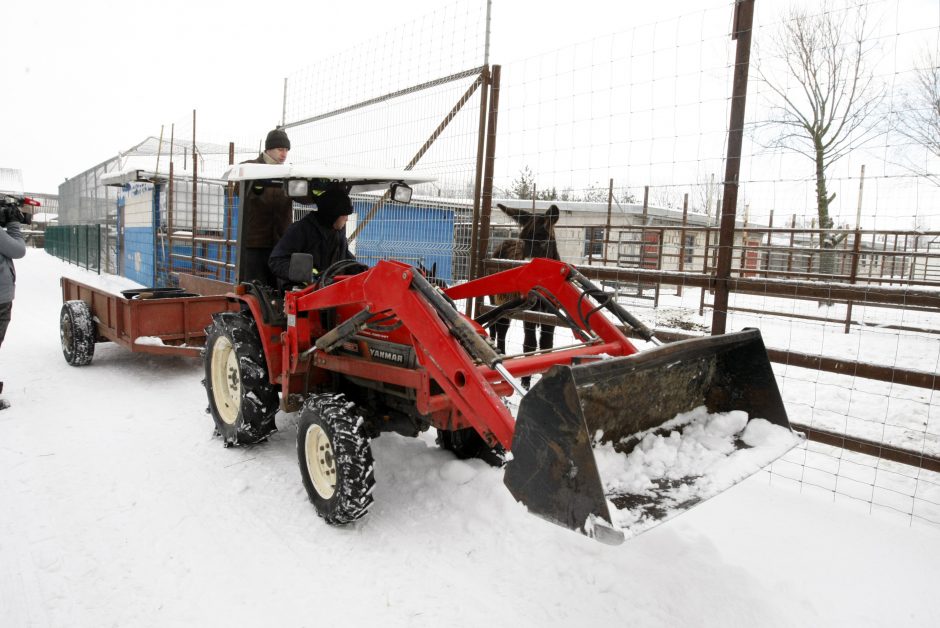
536	239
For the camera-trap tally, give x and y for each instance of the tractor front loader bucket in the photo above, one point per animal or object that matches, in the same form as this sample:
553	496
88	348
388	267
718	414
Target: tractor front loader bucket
615	446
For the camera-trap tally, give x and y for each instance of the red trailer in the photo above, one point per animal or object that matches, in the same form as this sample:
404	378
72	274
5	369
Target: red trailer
162	321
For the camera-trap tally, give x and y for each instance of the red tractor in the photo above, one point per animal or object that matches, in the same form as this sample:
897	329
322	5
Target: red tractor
387	350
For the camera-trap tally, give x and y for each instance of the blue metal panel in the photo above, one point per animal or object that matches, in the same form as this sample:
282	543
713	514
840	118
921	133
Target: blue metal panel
138	205
119	249
138	254
231	216
232	212
408	233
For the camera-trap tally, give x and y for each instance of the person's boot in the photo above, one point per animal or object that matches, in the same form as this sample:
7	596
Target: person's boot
4	404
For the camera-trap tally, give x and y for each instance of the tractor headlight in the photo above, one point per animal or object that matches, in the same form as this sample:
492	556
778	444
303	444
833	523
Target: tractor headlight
297	188
401	193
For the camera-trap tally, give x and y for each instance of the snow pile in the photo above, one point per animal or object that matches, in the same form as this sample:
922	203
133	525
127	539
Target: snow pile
691	458
149	341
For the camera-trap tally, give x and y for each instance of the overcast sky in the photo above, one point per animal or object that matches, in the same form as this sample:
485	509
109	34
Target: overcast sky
83	81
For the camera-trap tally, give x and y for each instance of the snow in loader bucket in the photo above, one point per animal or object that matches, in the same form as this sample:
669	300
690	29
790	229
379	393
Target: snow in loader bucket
613	447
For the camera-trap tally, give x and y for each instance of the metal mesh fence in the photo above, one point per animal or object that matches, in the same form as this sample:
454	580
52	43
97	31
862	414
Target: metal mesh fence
628	135
81	245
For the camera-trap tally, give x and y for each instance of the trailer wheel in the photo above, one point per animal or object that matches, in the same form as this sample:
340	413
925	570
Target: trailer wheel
242	400
335	459
77	333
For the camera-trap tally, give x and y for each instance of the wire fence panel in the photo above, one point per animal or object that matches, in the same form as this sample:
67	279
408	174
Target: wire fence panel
408	99
627	135
81	245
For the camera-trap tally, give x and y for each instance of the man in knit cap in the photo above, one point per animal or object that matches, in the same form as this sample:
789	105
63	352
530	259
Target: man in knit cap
267	213
321	233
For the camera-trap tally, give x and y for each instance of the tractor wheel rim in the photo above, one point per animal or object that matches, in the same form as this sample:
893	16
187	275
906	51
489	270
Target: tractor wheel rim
65	334
226	380
321	464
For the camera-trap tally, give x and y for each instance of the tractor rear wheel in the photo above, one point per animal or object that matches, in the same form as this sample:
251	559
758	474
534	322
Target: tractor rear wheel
77	333
242	399
335	458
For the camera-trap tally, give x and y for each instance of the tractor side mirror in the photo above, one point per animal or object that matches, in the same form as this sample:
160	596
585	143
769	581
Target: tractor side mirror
401	193
301	268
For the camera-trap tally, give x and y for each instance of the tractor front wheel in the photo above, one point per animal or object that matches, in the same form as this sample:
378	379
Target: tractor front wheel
77	333
335	459
242	400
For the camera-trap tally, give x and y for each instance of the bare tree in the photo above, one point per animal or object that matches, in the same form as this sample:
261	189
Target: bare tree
704	195
594	194
668	196
920	120
830	110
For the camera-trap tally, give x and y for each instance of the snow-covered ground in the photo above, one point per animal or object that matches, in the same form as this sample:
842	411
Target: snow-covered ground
119	508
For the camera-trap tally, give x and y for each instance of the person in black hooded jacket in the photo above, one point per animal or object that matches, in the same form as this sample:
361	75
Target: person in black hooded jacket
322	234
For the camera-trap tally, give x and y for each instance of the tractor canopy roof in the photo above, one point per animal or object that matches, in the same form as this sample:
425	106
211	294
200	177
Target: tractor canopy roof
359	179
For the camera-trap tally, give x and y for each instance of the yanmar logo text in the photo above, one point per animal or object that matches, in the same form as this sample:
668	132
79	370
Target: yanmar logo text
388	356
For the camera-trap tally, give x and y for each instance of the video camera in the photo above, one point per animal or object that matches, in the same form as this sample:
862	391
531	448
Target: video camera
11	209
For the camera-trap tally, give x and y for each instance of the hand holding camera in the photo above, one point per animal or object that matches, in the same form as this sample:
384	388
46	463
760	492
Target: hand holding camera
11	209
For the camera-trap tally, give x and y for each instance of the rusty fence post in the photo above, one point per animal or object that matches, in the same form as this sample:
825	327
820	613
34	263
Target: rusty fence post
486	195
743	22
685	223
610	204
853	274
192	241
705	254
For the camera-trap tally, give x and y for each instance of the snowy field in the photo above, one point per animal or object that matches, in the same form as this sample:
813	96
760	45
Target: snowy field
121	509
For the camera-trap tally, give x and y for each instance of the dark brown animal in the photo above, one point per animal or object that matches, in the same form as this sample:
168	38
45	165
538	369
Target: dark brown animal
431	275
536	239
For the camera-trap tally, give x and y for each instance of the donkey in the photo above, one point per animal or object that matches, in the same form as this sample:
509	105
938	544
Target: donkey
431	275
537	239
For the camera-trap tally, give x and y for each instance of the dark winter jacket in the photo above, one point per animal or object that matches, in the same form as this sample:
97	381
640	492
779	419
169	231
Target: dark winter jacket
12	247
267	212
327	245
